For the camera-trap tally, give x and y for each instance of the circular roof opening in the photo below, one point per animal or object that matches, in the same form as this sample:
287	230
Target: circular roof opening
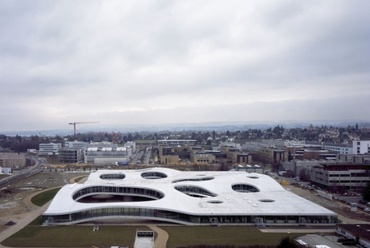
193	179
215	202
194	191
153	175
245	188
113	176
266	200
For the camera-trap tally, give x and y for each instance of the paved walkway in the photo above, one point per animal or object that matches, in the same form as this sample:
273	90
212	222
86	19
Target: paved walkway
162	237
26	218
73	180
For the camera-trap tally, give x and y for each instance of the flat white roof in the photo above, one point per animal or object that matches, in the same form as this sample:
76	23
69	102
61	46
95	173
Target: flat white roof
272	198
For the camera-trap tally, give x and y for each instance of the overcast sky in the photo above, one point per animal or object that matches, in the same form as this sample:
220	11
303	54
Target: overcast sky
189	61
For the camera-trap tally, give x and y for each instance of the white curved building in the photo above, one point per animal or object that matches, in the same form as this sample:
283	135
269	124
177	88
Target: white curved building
189	198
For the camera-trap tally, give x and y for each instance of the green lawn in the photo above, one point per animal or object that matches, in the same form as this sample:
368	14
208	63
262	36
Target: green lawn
83	236
226	235
72	236
35	235
44	197
79	179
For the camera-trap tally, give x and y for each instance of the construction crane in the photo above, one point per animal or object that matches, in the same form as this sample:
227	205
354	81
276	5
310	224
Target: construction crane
74	125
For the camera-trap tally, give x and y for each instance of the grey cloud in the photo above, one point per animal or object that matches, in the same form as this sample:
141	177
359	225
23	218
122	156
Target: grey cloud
70	55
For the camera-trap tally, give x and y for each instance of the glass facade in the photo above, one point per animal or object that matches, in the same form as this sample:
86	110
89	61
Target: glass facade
114	190
174	217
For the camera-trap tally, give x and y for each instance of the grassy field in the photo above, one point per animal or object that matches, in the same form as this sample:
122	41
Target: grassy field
226	235
34	235
83	236
72	236
44	197
79	179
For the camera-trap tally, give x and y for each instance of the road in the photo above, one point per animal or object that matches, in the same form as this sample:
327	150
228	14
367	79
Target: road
28	171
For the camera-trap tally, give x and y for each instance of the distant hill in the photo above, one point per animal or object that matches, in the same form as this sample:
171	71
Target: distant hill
202	127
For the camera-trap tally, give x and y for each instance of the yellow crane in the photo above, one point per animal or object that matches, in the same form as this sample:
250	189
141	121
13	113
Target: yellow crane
80	122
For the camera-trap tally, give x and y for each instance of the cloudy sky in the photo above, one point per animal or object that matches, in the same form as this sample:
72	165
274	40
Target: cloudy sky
165	61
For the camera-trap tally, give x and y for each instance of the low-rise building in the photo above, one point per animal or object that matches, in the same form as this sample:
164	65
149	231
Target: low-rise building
106	155
13	160
142	144
75	145
335	175
49	148
69	155
274	156
361	146
204	158
338	148
169	159
176	142
354	158
5	170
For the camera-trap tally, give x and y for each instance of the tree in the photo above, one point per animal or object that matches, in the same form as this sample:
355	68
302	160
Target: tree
366	193
304	175
287	242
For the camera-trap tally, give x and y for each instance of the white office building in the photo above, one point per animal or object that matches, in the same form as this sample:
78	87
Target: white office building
339	148
49	148
361	146
106	155
75	145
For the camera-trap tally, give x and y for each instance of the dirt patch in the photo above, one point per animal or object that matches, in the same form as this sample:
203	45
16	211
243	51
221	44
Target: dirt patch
334	206
12	206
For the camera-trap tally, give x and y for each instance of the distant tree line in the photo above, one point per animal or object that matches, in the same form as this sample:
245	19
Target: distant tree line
208	138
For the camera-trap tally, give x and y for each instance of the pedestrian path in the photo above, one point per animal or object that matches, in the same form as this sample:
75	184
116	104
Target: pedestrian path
162	237
29	217
36	211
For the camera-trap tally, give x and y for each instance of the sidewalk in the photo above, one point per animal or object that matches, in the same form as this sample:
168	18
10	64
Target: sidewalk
162	237
28	217
22	223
